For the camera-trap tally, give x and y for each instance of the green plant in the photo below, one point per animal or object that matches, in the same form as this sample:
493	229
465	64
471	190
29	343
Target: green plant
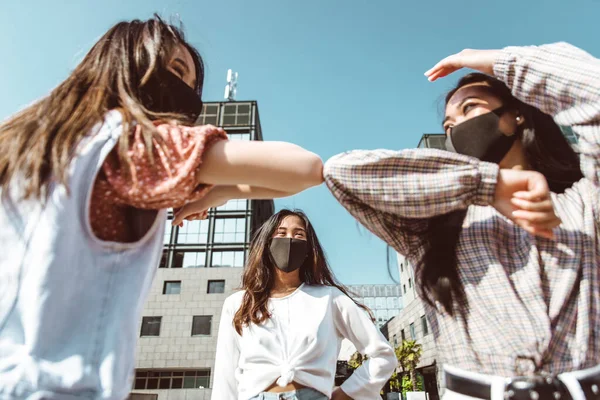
409	354
356	360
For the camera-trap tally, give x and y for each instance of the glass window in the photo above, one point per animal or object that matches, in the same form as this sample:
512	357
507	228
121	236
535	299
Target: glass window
166	379
381	315
234	205
163	259
239	136
424	325
217	286
437	142
189	259
172	287
403	335
203	379
229	109
370	302
404	288
364	291
413	334
409	282
389	291
168	229
201	325
150	326
209	114
228	259
236	114
380	303
193	232
230	230
392	302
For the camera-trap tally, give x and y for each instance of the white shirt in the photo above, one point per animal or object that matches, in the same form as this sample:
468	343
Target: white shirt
300	343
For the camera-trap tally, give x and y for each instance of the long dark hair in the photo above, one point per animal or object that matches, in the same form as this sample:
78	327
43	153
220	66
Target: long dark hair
37	143
547	151
259	275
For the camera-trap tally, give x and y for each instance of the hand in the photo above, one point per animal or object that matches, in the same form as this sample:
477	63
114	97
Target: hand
338	394
524	197
199	209
479	60
192	217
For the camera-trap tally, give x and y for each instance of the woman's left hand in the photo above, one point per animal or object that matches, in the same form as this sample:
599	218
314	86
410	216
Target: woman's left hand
479	60
338	394
199	209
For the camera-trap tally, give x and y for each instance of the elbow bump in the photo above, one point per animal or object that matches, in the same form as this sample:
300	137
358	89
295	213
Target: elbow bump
314	171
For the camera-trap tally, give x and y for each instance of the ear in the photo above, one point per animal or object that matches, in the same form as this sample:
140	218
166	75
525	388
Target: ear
520	119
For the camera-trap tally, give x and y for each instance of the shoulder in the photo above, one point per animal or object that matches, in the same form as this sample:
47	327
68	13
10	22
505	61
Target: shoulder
317	289
336	296
233	301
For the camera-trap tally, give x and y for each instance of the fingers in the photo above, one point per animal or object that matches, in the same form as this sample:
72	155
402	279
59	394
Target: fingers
538	223
545	220
443	68
187	214
535	230
537	188
527	205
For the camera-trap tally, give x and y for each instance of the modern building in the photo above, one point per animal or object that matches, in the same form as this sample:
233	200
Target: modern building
201	265
384	300
411	324
432	141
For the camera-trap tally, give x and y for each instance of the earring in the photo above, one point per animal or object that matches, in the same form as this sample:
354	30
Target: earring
519	118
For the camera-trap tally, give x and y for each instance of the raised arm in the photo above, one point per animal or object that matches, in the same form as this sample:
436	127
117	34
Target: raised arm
559	79
563	81
394	193
193	159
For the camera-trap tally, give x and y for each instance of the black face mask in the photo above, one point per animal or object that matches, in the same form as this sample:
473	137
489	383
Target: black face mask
166	92
481	137
288	254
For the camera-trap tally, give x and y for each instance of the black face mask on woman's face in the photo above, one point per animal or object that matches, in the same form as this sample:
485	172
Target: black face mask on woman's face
481	137
166	92
288	254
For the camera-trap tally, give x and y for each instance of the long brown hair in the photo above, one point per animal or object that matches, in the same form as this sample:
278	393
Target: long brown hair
546	150
37	143
259	273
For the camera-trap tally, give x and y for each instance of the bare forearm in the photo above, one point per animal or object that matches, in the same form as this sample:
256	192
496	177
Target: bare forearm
281	167
251	192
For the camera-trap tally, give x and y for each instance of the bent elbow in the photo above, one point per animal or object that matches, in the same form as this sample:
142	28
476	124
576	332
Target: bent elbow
313	171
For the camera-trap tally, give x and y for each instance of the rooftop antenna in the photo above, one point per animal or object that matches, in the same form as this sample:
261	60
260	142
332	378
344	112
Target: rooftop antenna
231	88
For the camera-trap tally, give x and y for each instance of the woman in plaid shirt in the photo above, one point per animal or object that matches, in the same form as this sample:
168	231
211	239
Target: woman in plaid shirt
504	230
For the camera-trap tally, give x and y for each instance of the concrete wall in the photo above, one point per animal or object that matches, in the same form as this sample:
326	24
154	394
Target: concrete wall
175	348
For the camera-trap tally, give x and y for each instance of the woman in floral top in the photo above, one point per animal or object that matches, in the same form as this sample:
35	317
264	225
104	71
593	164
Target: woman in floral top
86	174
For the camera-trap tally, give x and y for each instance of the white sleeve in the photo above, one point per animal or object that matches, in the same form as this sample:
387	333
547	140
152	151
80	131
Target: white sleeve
355	325
228	354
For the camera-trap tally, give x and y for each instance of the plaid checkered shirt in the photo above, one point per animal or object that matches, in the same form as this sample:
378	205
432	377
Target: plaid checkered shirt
534	302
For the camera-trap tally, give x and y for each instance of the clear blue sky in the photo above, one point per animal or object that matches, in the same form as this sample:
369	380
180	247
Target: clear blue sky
329	75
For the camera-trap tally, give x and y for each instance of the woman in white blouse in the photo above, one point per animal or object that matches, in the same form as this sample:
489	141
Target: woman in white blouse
280	336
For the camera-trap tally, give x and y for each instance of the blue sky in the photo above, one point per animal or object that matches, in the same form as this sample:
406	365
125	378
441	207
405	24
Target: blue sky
329	75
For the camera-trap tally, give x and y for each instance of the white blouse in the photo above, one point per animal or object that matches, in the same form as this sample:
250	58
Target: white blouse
300	343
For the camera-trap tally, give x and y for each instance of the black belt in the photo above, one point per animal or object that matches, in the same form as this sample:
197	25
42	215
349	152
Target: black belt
524	388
